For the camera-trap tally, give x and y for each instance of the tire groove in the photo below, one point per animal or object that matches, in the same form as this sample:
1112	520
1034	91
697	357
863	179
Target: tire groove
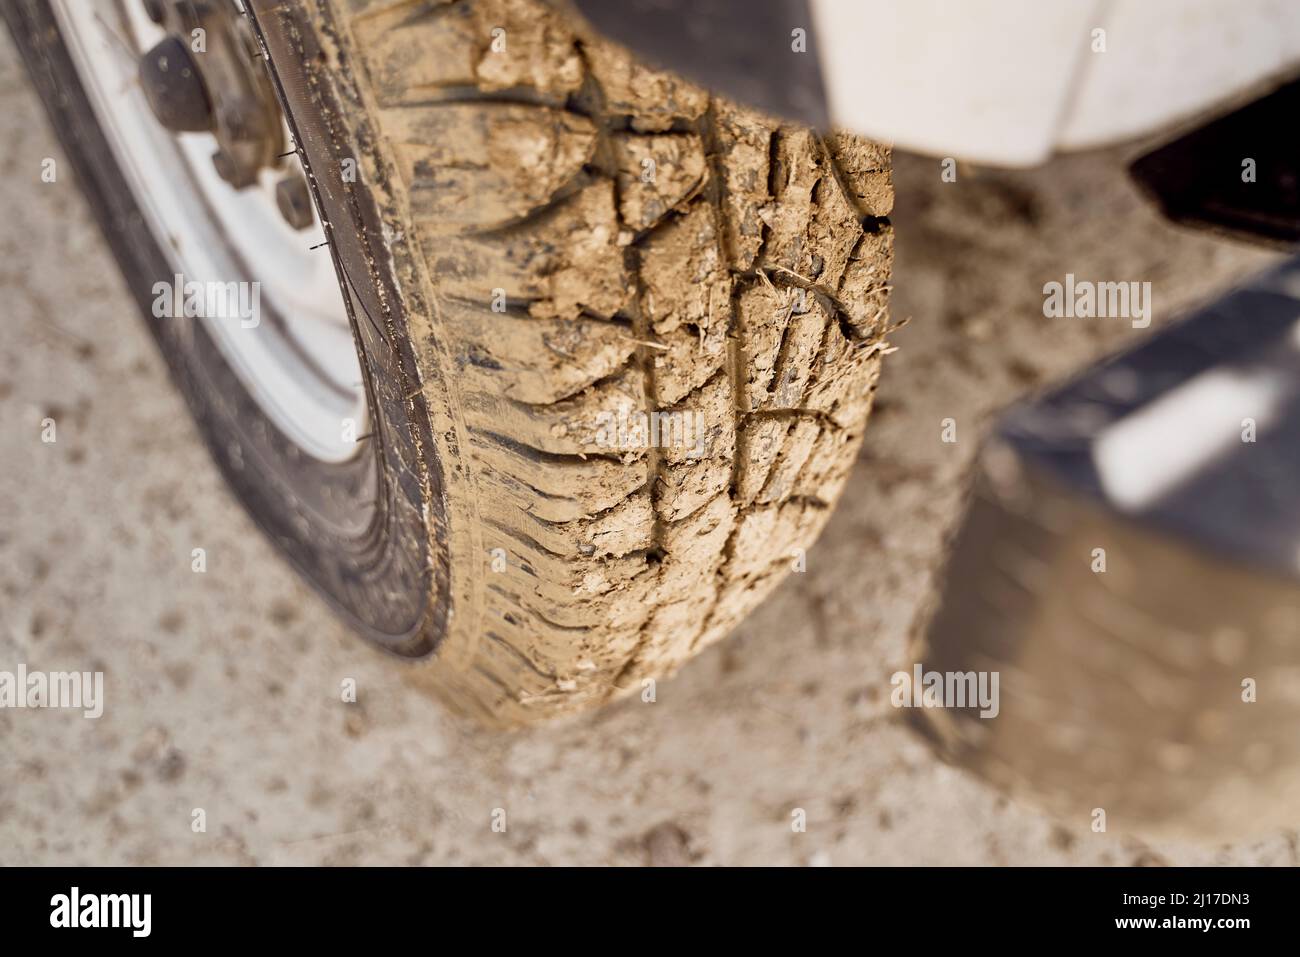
549	250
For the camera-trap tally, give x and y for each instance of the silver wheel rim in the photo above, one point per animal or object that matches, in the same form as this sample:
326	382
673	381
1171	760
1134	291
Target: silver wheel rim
282	326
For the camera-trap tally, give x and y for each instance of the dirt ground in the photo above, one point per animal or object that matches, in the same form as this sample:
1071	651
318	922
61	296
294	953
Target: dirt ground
222	688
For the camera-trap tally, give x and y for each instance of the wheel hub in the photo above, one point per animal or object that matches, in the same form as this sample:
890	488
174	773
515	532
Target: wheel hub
175	90
208	75
169	117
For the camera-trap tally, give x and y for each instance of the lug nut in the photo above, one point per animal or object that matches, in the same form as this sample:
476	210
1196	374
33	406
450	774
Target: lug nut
231	171
294	200
224	166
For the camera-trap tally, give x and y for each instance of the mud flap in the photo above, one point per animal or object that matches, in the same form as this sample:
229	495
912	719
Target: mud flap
1129	568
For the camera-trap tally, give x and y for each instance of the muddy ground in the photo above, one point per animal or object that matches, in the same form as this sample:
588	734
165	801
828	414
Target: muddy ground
223	687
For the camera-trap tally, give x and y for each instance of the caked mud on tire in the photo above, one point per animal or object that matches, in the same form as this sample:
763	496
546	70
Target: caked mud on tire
575	239
620	340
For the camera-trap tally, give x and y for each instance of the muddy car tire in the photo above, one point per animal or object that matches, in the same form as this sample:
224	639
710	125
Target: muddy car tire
620	340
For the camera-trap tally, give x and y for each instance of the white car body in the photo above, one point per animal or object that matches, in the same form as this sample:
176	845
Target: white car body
1008	82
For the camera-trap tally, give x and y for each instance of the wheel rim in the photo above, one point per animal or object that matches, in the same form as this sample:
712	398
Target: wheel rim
283	327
